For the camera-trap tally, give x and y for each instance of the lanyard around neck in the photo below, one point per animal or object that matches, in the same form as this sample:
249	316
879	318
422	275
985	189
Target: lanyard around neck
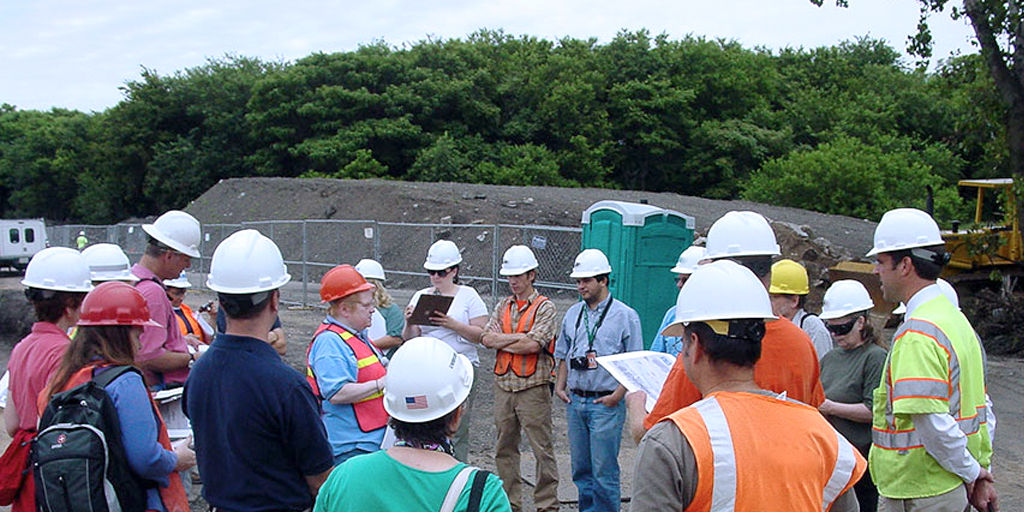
591	334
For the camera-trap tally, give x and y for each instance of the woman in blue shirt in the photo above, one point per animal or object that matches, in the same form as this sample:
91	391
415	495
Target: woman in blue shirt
112	318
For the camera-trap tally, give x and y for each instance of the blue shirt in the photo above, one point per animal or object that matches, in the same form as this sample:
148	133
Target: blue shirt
618	333
139	434
256	426
667	344
334	365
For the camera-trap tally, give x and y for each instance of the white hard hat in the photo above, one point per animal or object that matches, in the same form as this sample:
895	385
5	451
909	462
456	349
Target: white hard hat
590	263
905	228
845	297
178	282
720	290
81	232
518	260
426	380
177	230
442	254
107	262
247	262
741	233
60	269
947	290
688	260
370	269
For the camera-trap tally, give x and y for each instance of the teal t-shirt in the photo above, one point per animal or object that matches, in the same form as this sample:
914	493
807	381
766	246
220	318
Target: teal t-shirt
356	486
394	319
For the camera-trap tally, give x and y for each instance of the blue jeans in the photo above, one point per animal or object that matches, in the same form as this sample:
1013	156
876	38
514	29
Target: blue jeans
595	431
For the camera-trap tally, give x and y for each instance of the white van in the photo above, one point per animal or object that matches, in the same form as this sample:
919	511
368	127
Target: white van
20	239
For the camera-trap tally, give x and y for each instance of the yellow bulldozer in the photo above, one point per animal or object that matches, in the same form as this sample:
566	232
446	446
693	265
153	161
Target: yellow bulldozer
992	242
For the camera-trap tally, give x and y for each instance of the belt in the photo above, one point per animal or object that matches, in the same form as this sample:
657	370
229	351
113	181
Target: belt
590	394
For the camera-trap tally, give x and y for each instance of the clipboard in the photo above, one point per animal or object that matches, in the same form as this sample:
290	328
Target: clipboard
426	305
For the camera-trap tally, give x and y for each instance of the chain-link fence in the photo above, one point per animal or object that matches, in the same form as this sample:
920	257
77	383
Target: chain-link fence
311	247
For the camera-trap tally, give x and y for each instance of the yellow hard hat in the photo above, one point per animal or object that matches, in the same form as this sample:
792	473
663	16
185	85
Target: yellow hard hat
789	278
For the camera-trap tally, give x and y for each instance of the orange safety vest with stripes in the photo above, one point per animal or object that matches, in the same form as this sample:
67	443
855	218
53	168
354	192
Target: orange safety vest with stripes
188	324
523	365
753	450
369	411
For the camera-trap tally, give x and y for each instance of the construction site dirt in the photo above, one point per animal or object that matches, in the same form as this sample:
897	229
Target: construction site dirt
1005	385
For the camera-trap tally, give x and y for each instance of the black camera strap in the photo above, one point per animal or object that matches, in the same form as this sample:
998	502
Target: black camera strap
592	334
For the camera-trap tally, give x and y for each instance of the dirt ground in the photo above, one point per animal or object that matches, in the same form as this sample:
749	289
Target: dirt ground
1005	384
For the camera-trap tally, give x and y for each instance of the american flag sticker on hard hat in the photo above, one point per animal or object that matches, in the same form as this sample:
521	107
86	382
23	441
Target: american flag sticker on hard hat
416	402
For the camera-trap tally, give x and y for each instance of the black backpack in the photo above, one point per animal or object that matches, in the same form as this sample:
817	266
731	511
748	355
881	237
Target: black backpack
78	459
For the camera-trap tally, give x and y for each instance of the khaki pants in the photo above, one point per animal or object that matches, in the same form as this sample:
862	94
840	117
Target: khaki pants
460	441
952	501
530	410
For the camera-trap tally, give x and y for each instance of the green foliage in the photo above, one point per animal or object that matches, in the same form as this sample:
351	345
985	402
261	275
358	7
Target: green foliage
848	177
694	116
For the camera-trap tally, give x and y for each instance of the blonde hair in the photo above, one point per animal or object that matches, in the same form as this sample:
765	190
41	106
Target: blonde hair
381	297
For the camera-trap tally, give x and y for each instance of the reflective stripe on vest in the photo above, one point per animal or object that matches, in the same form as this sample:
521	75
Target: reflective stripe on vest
523	365
892	439
935	367
369	411
726	484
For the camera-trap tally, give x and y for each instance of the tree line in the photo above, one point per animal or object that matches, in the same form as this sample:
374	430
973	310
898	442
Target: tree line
848	129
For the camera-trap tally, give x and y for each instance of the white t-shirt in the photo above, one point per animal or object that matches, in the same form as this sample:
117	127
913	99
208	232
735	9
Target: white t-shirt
377	329
467	304
816	330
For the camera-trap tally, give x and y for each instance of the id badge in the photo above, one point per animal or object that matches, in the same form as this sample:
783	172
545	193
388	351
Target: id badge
591	359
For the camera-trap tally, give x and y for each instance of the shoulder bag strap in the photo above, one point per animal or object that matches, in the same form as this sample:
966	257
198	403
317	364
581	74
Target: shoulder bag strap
455	490
476	492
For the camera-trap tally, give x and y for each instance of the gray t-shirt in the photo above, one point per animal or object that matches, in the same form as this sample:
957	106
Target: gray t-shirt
850	377
815	328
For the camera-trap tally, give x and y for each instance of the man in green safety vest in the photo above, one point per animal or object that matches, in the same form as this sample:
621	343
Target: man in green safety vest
81	241
931	444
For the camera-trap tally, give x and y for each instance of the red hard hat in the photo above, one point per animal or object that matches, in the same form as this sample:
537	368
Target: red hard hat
342	281
115	303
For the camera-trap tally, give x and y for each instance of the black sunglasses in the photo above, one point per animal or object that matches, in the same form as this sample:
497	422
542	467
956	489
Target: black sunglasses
439	273
841	329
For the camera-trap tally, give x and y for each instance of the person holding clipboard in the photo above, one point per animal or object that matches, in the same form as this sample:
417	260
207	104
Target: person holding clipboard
461	326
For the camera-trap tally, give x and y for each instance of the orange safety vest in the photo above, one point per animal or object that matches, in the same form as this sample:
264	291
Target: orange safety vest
755	449
188	324
369	411
523	365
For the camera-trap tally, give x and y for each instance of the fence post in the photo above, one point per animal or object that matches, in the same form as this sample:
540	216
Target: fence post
305	271
495	261
376	242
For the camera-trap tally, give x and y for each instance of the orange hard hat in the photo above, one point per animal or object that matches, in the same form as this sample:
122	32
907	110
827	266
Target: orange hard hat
342	281
115	303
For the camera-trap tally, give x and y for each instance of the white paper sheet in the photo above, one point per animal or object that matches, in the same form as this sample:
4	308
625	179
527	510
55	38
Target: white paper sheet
642	370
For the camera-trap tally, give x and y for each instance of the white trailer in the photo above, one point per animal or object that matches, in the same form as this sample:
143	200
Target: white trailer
20	239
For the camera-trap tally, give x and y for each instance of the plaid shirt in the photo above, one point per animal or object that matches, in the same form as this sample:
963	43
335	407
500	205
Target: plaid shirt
543	330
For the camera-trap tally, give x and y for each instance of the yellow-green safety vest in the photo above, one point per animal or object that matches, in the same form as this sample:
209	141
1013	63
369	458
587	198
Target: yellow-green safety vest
936	365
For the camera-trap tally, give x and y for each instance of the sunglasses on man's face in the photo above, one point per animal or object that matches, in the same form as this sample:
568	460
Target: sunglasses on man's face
439	273
841	329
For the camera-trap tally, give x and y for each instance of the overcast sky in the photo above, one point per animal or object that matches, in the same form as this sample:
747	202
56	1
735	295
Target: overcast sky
75	54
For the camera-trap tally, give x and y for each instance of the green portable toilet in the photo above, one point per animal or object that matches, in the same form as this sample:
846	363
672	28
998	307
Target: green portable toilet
642	243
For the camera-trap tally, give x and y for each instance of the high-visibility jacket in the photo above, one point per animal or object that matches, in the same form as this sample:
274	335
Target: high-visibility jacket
369	411
935	366
188	324
755	450
523	365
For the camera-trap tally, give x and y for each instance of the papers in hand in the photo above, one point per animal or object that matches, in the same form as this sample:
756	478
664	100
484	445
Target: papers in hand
426	305
642	370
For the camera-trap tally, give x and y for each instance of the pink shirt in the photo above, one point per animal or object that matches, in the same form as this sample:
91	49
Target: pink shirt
158	340
33	361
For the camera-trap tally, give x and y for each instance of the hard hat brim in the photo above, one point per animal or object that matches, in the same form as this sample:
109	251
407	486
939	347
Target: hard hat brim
361	288
152	231
516	272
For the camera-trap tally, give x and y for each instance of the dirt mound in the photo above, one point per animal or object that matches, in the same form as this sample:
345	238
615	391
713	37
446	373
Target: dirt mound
252	199
997	320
